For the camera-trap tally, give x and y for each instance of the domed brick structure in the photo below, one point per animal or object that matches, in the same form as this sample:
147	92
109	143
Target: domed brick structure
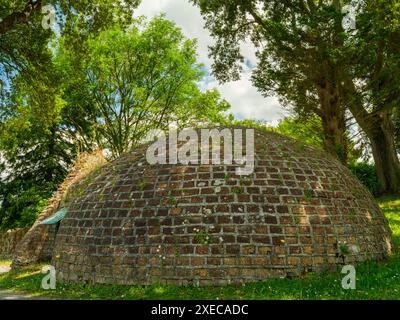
299	211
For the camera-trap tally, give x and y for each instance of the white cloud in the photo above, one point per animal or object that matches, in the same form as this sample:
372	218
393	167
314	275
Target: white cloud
245	100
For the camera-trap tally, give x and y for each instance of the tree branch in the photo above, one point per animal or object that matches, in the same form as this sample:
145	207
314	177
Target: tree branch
20	17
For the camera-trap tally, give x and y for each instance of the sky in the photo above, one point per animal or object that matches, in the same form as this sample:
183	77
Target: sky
246	101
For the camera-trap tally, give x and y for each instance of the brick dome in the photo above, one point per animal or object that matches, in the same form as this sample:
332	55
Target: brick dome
300	211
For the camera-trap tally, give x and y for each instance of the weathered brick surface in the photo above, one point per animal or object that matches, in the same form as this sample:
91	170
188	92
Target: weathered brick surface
38	243
300	211
9	240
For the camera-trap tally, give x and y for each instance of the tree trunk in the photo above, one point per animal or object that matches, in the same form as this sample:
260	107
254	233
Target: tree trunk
379	128
333	121
380	131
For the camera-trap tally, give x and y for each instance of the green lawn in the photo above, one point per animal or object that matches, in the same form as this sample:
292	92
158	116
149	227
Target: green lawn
374	281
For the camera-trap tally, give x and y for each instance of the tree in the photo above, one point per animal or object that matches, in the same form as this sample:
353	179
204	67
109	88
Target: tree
144	78
307	58
308	131
34	148
41	129
22	12
25	54
372	82
397	128
297	55
24	41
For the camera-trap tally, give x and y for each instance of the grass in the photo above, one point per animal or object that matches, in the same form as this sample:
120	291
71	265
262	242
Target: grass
374	281
5	262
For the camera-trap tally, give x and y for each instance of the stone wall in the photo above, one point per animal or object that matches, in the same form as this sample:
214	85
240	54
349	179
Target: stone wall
9	240
38	243
300	211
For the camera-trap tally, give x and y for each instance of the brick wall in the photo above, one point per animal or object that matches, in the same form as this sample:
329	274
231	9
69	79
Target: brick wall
9	240
38	243
299	211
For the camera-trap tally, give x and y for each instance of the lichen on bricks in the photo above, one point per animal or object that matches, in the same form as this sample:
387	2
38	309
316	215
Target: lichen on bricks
299	211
